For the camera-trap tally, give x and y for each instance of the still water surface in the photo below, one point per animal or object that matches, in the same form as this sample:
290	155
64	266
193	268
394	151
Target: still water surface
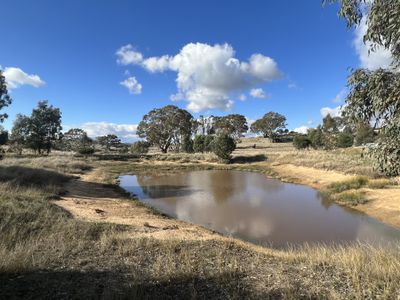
255	208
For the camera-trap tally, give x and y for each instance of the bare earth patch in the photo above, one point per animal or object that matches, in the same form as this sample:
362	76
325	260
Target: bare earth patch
94	202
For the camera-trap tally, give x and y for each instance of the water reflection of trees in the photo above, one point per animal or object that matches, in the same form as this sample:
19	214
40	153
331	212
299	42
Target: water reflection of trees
155	186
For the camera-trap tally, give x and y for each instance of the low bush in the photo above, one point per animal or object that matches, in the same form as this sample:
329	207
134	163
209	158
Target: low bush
86	151
301	142
354	183
344	140
140	147
223	146
198	143
379	183
352	198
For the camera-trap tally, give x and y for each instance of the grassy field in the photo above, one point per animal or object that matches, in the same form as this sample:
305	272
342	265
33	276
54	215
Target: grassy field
49	252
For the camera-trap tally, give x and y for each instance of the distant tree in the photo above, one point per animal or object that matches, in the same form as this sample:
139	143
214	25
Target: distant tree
109	141
198	143
187	144
75	139
301	142
374	95
140	147
20	133
5	99
235	125
3	136
316	136
166	126
44	127
330	124
223	146
344	140
364	134
208	143
269	124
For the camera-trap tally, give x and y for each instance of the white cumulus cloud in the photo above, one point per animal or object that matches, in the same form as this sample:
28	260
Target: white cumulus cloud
379	58
333	111
258	93
123	131
15	77
302	129
206	75
133	86
127	55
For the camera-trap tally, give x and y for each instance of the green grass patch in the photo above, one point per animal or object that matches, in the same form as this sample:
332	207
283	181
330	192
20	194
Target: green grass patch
380	183
351	184
352	198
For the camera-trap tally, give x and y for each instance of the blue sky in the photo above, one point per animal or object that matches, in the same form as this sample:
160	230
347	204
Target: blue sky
296	53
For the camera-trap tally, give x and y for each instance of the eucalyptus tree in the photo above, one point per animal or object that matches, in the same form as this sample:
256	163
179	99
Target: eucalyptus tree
269	125
234	125
5	99
40	130
166	127
75	139
374	95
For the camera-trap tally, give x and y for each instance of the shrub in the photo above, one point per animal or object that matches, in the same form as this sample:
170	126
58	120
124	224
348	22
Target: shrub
208	143
86	150
355	183
187	144
316	137
364	134
352	198
301	142
344	140
199	143
140	147
223	146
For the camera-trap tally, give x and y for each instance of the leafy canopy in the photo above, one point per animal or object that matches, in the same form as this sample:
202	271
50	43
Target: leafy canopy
269	124
165	127
5	99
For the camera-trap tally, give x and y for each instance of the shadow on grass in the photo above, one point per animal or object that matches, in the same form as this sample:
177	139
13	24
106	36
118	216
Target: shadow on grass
117	284
23	176
249	159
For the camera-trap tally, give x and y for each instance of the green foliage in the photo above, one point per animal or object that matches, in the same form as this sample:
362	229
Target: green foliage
269	124
301	142
40	130
3	136
352	198
5	99
364	134
140	147
223	146
208	143
374	95
166	127
330	124
387	152
187	144
355	183
235	125
316	137
75	139
85	150
198	143
109	141
383	19
344	140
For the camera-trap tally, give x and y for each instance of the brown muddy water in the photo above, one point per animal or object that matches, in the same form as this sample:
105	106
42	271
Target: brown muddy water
255	208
